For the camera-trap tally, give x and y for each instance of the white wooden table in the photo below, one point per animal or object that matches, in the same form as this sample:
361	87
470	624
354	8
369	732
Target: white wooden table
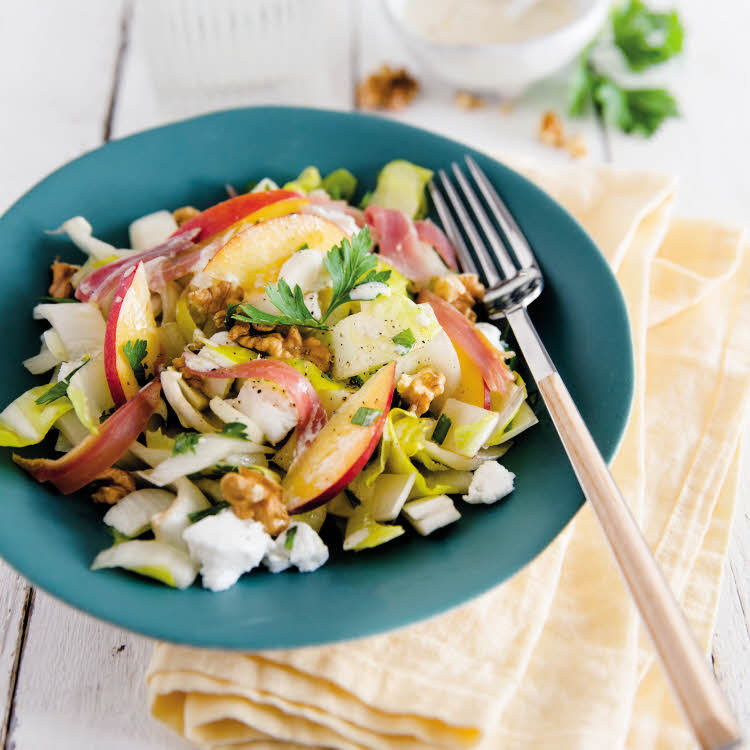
76	74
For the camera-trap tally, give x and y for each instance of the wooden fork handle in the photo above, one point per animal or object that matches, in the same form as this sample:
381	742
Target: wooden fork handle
693	682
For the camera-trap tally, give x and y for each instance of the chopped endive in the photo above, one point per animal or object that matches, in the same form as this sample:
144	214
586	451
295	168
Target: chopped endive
152	559
313	518
471	427
430	513
386	495
506	405
364	532
523	419
401	185
365	416
132	515
25	422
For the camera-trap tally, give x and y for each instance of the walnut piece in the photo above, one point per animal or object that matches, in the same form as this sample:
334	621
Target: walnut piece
283	343
467	100
194	381
212	299
62	273
184	214
462	291
113	485
419	389
552	133
387	88
551	129
253	495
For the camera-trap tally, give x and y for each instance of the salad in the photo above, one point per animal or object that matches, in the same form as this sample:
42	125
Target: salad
282	360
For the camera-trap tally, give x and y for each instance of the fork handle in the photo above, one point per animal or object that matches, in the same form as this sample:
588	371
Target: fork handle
695	686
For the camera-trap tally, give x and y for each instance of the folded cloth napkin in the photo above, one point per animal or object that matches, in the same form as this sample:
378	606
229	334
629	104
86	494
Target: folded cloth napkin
555	657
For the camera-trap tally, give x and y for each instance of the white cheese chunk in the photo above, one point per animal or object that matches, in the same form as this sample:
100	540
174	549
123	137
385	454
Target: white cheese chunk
430	513
226	547
307	551
491	482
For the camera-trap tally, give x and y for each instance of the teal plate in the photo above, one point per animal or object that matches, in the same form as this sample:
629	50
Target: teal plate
581	317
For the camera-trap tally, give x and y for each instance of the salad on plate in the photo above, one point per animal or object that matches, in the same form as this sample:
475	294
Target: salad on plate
282	360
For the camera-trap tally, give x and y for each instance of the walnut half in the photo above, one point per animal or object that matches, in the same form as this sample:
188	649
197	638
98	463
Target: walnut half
113	485
283	343
419	389
62	273
254	496
218	296
462	291
387	88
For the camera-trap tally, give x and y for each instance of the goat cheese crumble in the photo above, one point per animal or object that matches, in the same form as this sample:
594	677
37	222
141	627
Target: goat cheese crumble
307	551
491	482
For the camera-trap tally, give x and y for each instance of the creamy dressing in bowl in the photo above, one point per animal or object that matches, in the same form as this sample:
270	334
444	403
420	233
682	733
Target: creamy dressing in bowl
478	22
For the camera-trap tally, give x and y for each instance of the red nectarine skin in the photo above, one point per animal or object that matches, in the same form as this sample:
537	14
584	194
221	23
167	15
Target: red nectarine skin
341	448
223	215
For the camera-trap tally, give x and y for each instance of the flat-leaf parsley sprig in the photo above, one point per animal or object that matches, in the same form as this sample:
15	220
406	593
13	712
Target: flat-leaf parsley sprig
349	264
645	38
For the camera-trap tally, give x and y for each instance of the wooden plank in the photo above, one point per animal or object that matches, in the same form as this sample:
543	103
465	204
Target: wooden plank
81	686
81	681
153	91
58	99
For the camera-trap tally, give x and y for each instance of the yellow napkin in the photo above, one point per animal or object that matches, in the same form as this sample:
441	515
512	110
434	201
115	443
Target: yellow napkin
553	658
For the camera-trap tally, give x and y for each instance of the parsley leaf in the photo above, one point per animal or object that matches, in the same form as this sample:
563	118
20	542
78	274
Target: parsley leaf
59	389
289	541
57	299
349	264
646	37
404	341
184	442
441	429
135	352
365	416
231	309
212	511
235	430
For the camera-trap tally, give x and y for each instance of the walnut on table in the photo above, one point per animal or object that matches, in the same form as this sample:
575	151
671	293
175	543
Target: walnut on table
387	88
62	273
184	214
467	100
462	291
419	389
552	133
283	343
252	495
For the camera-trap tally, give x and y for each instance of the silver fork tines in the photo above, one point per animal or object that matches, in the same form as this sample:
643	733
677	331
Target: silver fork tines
510	283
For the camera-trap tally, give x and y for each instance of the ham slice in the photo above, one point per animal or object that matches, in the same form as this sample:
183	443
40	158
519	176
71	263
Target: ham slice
432	234
464	333
400	246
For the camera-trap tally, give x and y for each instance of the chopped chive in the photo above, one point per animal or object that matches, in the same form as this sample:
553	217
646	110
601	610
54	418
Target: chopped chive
184	442
441	429
289	541
303	246
212	511
404	341
365	416
354	501
59	389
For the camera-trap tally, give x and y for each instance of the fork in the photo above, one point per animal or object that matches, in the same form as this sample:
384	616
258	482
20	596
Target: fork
511	286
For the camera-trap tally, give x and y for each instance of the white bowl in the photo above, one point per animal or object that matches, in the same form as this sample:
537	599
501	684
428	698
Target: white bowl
502	68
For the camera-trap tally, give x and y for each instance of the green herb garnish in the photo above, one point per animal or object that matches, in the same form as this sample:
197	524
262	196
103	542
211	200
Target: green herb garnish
354	501
441	429
184	442
59	389
235	430
289	541
135	352
231	309
212	511
365	416
106	414
404	341
303	246
349	264
644	38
